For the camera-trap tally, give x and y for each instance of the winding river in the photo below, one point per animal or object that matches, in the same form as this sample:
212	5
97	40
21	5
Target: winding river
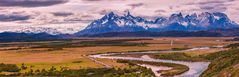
195	68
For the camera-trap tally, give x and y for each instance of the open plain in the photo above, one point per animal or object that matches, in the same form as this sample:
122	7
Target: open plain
73	54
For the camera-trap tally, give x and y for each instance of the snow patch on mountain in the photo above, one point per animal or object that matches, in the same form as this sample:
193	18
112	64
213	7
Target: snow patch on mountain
53	29
128	23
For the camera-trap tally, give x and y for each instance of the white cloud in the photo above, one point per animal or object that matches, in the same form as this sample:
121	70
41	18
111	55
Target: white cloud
84	11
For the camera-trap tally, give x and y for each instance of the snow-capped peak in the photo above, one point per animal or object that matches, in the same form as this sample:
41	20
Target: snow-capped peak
128	23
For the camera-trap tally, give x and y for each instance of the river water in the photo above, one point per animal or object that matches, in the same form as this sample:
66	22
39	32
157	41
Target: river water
195	68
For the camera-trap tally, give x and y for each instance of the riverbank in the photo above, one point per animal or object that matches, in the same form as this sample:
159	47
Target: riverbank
195	68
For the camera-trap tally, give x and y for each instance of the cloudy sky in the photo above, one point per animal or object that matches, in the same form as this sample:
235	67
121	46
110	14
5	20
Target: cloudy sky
76	14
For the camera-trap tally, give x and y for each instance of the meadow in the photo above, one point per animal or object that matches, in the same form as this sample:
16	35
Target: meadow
72	54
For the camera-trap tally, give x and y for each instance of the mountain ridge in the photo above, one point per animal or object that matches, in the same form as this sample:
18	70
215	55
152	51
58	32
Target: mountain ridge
112	22
157	34
26	37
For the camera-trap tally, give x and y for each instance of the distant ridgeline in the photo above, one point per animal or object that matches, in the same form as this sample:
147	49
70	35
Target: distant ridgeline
24	37
205	24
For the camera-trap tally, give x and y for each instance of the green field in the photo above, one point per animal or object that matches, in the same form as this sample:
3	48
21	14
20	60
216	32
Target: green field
67	57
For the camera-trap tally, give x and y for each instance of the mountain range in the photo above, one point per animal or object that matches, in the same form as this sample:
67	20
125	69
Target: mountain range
176	22
24	37
112	25
37	30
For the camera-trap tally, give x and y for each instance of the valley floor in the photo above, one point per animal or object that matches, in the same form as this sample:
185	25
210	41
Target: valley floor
72	54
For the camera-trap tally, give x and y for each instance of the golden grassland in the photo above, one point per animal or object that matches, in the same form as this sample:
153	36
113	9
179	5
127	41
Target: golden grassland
43	58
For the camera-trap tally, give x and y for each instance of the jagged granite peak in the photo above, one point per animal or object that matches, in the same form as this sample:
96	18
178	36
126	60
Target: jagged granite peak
112	22
110	16
174	16
129	15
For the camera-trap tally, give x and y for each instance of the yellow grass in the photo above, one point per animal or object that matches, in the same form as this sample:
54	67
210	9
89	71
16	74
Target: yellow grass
41	58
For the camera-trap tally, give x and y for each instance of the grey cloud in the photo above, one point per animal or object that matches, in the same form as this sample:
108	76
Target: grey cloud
62	14
218	7
9	18
91	0
212	5
160	11
71	20
30	3
213	9
207	7
136	5
191	10
210	2
81	18
103	12
236	8
77	20
87	16
21	22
